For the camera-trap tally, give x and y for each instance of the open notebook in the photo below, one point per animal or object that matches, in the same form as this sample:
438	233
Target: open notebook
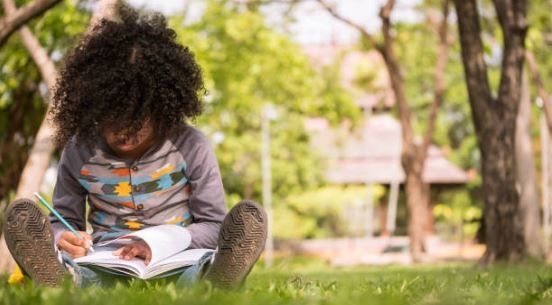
168	244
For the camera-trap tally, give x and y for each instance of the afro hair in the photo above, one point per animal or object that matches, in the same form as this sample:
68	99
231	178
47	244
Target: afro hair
123	73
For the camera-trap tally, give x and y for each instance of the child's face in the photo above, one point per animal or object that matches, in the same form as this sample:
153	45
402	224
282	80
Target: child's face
130	146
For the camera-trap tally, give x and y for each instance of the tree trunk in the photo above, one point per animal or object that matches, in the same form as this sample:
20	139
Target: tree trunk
503	223
526	175
495	123
430	220
416	200
417	213
384	209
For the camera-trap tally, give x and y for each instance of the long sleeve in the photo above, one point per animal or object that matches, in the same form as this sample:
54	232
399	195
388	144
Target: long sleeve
69	196
207	203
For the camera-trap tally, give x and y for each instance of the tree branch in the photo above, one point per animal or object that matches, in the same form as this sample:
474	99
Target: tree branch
541	91
332	11
511	15
475	68
391	62
395	76
13	21
439	81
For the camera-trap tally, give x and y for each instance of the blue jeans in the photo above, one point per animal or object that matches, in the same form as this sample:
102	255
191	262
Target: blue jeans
90	276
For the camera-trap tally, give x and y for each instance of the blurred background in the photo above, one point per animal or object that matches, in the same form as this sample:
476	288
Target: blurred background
350	121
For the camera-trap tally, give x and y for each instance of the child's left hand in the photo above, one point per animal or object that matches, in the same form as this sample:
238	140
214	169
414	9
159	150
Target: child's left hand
137	249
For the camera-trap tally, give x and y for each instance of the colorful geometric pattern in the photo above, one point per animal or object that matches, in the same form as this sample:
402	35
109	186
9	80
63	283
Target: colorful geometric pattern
126	197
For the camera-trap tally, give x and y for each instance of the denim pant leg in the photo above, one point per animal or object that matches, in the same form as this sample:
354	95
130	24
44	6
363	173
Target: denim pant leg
194	273
85	276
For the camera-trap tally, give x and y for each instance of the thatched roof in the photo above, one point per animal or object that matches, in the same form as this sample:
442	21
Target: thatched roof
371	154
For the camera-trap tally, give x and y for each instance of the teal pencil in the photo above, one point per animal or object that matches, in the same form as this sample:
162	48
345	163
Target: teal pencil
62	220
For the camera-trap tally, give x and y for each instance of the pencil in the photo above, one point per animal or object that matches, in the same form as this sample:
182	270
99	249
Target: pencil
62	220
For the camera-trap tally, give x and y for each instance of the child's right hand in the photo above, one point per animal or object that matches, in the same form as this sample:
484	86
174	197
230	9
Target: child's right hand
74	246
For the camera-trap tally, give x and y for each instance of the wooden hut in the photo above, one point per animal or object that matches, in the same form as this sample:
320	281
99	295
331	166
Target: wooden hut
371	154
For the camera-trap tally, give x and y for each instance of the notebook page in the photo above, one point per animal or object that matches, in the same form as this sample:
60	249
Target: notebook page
182	259
103	257
164	240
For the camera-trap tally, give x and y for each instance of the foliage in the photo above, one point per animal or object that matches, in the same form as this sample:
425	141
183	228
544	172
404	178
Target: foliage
539	39
247	66
336	105
456	217
321	213
22	93
295	283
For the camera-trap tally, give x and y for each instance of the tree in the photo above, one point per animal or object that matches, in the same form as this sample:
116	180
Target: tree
413	154
526	176
538	44
495	120
43	147
21	80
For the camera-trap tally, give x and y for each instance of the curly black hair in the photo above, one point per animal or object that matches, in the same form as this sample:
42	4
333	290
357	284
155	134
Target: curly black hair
123	73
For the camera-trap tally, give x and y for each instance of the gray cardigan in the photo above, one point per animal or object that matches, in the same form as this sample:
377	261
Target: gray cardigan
177	181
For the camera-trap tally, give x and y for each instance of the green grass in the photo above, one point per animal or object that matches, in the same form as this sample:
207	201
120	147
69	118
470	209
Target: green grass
311	282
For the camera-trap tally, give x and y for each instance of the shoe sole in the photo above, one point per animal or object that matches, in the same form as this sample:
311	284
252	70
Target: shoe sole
240	244
30	241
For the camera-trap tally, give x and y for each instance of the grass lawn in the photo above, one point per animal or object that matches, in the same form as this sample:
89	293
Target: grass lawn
311	282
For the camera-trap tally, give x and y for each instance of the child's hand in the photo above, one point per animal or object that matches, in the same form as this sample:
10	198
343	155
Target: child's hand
73	245
137	249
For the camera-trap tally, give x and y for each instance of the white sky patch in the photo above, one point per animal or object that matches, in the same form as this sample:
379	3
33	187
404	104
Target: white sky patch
312	24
